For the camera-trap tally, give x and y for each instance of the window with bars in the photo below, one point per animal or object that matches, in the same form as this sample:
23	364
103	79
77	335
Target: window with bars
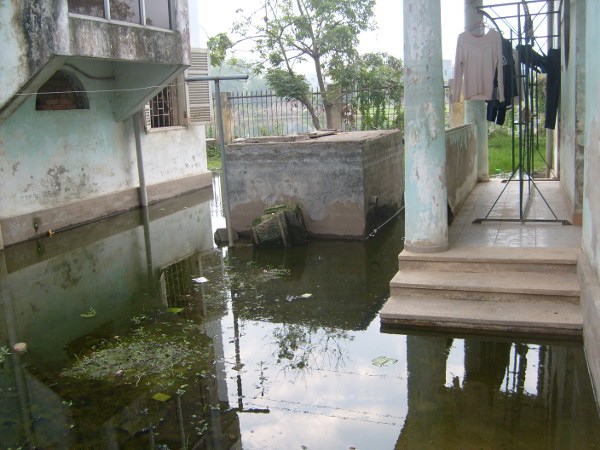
163	109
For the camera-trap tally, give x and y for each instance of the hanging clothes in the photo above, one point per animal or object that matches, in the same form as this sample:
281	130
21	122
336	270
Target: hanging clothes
552	87
477	60
496	109
550	65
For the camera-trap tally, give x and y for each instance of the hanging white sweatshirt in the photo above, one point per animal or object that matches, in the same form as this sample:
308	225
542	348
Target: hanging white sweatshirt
477	59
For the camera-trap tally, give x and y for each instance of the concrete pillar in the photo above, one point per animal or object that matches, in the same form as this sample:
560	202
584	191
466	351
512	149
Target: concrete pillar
426	191
227	117
335	93
1	239
475	110
457	109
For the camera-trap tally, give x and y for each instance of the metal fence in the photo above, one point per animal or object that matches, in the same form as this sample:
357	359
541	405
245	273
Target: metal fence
262	113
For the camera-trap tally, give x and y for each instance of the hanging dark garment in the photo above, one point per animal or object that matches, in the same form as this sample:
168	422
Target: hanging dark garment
552	87
496	110
529	57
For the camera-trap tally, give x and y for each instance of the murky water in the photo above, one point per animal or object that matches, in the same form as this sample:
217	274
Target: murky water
141	335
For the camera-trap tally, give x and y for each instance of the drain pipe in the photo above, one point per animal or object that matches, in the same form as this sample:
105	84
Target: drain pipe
219	114
140	159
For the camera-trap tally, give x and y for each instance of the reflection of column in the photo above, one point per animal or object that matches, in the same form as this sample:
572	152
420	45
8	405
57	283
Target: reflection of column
486	364
426	190
11	329
148	246
426	364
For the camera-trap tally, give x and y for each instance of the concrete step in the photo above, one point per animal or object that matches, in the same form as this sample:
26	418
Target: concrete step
487	286
494	259
531	318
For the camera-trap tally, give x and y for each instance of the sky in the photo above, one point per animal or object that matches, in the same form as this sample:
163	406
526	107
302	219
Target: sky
209	17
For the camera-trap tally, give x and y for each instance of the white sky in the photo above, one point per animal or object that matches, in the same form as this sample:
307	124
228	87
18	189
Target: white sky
209	17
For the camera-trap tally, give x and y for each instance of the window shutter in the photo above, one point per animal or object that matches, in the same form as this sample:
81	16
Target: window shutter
199	98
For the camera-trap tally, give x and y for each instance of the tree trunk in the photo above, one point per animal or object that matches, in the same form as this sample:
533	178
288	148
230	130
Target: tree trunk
313	114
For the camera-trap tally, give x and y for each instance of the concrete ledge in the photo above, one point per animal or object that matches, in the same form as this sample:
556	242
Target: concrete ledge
21	228
539	318
487	286
481	259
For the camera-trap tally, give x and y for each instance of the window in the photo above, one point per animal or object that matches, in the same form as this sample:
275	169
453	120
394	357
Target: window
155	13
125	10
167	108
163	108
61	92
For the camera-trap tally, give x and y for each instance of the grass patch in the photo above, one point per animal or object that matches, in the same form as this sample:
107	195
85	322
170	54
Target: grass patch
213	156
500	153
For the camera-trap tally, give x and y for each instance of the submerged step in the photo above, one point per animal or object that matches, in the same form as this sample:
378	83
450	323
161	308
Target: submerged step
494	259
487	286
543	318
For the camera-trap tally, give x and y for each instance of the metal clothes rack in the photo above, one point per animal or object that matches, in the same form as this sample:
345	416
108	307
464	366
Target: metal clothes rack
523	28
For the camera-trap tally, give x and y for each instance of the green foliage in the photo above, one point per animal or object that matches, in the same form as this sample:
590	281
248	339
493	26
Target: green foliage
213	153
288	84
218	46
159	355
378	79
4	352
288	32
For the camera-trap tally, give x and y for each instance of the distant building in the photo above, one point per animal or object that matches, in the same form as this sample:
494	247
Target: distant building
447	70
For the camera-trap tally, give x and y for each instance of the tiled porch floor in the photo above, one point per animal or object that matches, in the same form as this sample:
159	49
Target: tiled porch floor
463	232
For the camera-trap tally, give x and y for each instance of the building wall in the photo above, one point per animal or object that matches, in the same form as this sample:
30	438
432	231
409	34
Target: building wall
55	158
567	118
63	168
39	36
590	262
572	101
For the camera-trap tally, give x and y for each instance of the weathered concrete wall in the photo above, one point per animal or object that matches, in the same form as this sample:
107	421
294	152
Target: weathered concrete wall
591	195
53	159
40	36
332	178
461	164
572	112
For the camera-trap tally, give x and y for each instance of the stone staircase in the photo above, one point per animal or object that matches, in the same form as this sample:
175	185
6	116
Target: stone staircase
533	291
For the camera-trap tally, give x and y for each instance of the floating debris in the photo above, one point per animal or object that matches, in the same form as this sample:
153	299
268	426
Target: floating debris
174	310
291	298
161	397
90	313
20	347
200	280
381	361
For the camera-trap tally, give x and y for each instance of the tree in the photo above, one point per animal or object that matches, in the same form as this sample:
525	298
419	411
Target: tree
322	32
378	80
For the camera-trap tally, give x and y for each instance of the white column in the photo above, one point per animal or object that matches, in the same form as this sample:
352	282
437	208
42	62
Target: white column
426	191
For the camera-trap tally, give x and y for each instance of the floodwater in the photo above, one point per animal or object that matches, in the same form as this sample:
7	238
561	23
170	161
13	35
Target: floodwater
140	334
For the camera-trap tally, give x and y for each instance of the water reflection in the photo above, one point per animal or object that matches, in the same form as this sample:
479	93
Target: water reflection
275	348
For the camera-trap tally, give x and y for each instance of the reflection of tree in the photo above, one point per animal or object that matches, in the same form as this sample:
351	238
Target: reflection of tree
301	347
119	9
87	7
